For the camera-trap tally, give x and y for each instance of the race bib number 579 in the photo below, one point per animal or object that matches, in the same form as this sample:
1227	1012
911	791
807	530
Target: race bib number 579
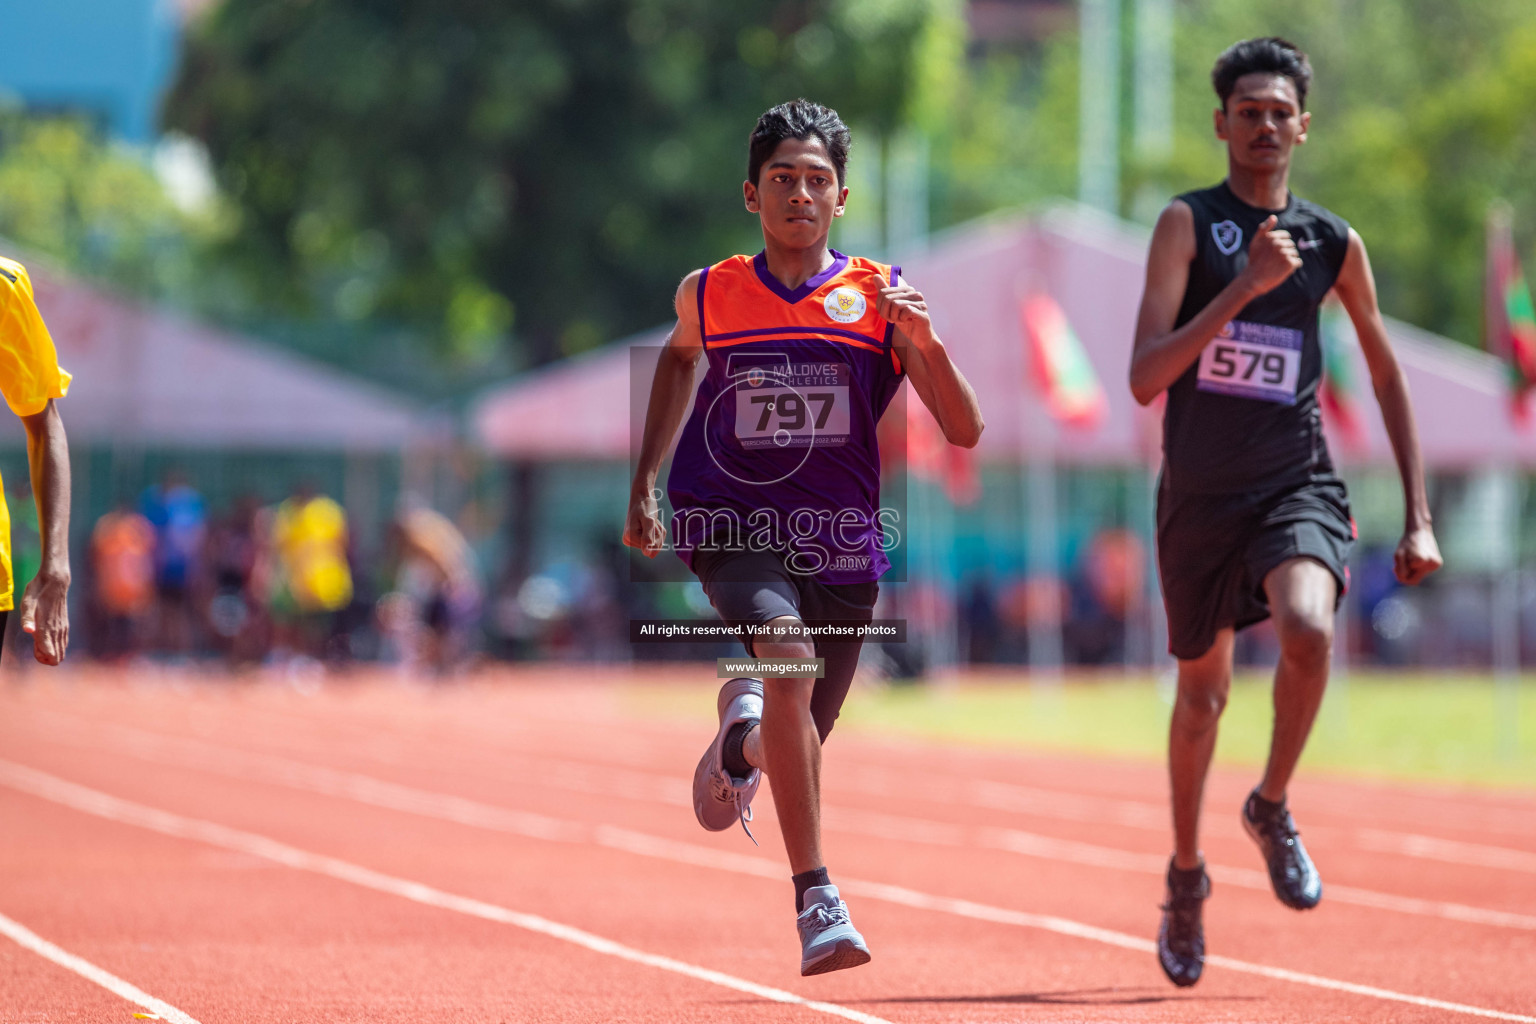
1249	360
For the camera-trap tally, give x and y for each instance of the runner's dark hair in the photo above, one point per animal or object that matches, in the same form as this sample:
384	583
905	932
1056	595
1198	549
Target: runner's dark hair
1266	55
798	119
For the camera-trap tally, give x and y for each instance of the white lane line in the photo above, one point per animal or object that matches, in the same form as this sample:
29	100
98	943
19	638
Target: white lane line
652	846
1450	811
127	812
1069	851
542	827
640	780
1012	798
28	939
1016	799
1447	850
869	824
1511	818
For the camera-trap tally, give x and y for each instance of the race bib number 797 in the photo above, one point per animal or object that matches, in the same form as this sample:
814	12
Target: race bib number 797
1248	360
802	406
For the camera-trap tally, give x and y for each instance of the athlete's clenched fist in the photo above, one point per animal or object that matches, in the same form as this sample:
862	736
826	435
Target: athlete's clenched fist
905	307
1272	256
642	527
1417	556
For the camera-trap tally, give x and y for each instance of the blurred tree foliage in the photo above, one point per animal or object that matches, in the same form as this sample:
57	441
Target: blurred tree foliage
1423	112
398	171
548	168
96	207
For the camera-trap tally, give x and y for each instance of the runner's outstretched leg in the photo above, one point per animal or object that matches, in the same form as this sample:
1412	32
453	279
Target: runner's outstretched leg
790	747
1302	594
1203	686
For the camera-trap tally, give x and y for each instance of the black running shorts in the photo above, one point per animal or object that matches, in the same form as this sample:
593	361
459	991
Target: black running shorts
1214	551
755	587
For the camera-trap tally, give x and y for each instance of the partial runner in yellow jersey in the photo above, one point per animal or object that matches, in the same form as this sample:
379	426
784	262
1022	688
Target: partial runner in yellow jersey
30	380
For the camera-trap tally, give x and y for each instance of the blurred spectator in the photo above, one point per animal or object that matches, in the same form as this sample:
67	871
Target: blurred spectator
1116	571
1108	592
436	600
980	621
123	573
175	510
312	579
236	615
1013	607
1464	622
1390	617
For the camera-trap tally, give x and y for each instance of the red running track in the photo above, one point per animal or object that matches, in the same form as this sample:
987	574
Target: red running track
522	849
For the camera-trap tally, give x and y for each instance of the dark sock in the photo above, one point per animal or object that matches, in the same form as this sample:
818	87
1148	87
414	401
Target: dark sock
807	880
1184	878
1259	809
731	753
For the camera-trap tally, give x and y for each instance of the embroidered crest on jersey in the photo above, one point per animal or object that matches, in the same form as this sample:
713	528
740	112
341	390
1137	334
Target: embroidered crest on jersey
845	305
1228	237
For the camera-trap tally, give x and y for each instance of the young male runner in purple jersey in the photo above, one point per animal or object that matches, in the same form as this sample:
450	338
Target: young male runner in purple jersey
776	480
1252	521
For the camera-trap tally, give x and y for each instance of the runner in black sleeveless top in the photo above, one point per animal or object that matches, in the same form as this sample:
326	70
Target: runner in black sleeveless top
1244	417
1252	521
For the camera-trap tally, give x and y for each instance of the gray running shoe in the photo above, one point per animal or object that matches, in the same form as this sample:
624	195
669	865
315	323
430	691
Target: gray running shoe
828	940
720	799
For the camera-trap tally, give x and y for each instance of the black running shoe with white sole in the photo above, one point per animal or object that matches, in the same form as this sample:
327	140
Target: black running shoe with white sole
1181	937
1291	872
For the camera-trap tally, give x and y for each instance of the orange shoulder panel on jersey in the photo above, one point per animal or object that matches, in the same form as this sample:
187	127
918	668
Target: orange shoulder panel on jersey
741	302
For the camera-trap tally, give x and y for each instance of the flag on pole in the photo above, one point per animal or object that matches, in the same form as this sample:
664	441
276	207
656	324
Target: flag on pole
930	456
1340	388
1060	365
1509	319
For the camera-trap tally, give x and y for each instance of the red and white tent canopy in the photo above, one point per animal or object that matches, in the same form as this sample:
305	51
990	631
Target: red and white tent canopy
975	278
153	378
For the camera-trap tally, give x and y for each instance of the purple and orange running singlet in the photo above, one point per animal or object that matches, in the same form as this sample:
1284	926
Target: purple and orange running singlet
780	451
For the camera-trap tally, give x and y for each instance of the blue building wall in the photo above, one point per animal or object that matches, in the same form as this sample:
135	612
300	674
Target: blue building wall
110	59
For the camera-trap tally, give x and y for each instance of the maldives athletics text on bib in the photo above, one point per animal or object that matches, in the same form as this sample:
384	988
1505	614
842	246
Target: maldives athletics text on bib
794	406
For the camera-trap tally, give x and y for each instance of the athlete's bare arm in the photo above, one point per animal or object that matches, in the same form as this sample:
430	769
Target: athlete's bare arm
670	390
1417	553
1162	354
938	381
45	602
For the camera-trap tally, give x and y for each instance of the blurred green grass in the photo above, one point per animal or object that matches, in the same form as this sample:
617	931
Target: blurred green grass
1437	728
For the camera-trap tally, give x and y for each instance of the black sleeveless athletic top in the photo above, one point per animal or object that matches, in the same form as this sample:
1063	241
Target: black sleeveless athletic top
1244	417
